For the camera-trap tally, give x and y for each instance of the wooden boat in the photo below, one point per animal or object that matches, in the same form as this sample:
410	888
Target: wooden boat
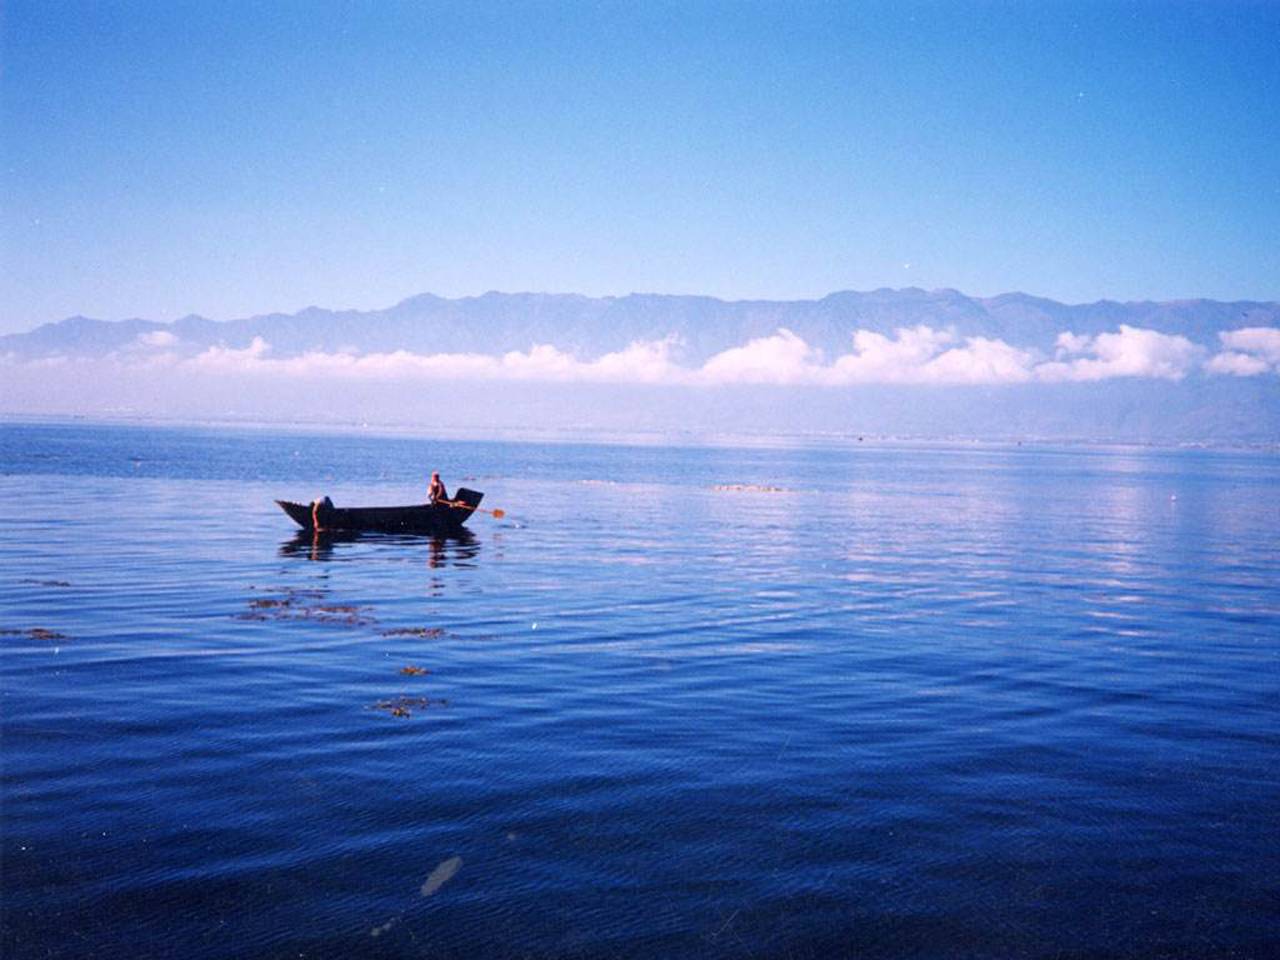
440	519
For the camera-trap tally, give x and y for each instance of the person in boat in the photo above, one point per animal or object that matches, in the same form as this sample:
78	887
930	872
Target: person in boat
436	493
321	513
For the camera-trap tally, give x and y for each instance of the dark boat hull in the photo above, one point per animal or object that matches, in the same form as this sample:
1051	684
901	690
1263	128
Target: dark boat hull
430	518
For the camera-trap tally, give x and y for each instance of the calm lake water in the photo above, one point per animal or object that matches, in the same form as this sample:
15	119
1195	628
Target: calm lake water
868	701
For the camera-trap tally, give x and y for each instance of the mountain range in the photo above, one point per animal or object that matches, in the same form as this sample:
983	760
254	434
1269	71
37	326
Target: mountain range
591	326
882	362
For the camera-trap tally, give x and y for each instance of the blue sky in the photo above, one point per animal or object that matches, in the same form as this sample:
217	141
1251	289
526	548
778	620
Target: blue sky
236	158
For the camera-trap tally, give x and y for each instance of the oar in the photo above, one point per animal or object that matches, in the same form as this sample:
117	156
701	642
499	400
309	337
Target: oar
497	514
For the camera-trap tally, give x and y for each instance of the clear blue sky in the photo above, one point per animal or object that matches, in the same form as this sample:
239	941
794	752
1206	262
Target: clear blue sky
234	158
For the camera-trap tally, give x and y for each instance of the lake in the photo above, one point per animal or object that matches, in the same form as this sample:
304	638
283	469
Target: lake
817	700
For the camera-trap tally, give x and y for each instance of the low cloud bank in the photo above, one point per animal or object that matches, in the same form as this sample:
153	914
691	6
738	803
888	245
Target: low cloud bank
645	362
912	355
1130	352
918	354
1248	352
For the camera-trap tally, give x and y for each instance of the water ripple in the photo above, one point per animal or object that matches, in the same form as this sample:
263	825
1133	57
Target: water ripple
922	702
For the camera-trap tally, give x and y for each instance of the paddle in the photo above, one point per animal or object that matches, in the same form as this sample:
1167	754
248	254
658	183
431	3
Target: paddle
497	514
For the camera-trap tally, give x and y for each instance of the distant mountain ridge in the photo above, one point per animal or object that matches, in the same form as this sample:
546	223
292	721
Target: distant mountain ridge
592	326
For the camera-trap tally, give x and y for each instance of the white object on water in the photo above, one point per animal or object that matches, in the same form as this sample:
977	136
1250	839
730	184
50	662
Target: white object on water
441	875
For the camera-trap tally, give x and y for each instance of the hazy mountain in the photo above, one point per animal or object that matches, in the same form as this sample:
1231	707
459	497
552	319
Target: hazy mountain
145	368
591	326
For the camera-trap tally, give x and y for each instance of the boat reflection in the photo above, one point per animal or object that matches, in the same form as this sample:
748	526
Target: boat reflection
457	549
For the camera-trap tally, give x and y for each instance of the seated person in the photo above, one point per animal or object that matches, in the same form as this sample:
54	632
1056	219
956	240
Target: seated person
436	493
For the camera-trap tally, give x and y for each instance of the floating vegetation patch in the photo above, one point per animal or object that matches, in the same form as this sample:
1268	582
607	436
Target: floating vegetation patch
35	633
412	671
427	633
307	594
295	593
347	613
299	605
403	706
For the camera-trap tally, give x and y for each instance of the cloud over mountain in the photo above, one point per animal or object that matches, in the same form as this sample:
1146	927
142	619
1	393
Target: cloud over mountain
1249	352
900	340
1128	352
911	355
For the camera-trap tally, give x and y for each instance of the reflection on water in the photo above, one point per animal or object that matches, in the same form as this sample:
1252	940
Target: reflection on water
441	551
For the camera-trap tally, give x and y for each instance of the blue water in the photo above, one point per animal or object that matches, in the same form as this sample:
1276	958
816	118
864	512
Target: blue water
869	700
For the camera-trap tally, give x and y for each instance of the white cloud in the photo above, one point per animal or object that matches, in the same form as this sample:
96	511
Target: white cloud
781	358
982	360
158	348
1264	341
898	359
1249	352
542	362
1237	364
1129	352
919	354
648	361
157	340
230	360
911	355
641	362
1072	344
923	354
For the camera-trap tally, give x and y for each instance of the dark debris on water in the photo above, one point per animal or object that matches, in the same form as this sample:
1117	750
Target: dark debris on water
304	604
295	605
35	633
404	706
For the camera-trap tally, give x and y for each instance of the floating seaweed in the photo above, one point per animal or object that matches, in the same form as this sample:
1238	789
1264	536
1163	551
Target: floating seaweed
429	633
293	607
295	593
35	633
401	706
